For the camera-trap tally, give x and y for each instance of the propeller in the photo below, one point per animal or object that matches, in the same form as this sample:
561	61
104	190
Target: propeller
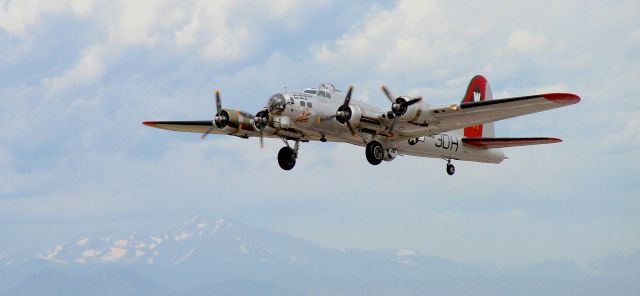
343	114
399	106
220	119
261	120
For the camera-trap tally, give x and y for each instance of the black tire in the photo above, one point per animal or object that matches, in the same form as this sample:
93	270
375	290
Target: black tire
374	152
286	160
451	169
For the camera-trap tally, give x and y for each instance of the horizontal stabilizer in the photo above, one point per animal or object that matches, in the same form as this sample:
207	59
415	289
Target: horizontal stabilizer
487	143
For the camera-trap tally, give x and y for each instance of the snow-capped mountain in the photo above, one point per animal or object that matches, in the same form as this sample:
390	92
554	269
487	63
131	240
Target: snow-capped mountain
197	237
203	255
202	251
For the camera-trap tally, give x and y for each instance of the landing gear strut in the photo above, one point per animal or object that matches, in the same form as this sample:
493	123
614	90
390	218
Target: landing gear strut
287	156
450	168
374	152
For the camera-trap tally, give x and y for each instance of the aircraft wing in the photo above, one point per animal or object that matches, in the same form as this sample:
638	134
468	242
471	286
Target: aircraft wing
201	126
475	113
194	126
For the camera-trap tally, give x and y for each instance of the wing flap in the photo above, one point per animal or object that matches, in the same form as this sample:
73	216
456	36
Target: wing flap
487	143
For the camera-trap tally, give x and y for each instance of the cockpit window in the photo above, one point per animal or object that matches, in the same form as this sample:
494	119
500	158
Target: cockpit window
324	94
277	103
310	91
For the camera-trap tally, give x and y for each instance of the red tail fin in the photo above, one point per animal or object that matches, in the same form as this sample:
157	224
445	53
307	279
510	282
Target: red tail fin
478	91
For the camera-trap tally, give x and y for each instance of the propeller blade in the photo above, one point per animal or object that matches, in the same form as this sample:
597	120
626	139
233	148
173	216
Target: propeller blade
413	101
347	98
208	131
388	94
353	133
218	102
261	140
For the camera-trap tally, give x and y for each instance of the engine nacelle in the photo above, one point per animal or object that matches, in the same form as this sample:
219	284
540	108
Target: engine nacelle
356	114
232	120
262	120
417	112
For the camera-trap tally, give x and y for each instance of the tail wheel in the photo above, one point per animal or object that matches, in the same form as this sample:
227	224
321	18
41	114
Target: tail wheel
451	169
286	158
374	152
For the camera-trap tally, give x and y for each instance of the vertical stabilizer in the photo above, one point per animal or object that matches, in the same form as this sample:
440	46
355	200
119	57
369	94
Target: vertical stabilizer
478	91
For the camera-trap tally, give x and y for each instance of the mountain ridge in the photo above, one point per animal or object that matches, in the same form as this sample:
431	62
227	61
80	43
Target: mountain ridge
203	255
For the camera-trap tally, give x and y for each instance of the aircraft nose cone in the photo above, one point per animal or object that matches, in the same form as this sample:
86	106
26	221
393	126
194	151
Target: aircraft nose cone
276	104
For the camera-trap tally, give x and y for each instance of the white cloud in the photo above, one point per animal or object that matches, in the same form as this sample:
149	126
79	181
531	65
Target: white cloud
412	35
187	35
78	7
524	41
554	88
627	136
635	37
5	158
16	15
220	31
135	22
89	68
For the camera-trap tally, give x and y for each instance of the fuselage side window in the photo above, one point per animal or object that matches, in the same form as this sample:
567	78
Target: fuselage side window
302	103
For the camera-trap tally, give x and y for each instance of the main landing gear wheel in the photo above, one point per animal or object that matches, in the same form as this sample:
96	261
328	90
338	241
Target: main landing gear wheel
286	158
374	152
450	169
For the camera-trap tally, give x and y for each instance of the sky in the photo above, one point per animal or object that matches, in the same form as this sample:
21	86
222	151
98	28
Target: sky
77	78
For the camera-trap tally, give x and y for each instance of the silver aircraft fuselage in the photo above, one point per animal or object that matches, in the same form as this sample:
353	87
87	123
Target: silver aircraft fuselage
309	113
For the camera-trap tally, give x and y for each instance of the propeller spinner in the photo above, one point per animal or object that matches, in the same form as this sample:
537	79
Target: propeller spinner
344	112
220	119
399	105
261	121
